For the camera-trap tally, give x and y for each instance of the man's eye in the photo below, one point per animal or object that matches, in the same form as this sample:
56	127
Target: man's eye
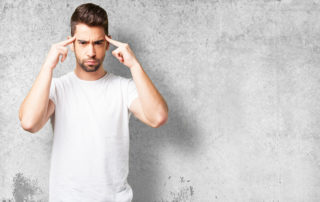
99	43
82	42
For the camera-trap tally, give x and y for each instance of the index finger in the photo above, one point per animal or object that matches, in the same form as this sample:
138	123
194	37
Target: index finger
67	42
113	42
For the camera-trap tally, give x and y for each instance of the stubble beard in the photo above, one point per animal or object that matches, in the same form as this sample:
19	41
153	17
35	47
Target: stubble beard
88	68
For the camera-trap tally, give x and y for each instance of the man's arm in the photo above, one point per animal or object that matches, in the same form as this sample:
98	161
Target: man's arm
149	107
36	108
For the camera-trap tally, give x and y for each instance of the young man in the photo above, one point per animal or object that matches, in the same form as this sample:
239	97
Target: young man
90	110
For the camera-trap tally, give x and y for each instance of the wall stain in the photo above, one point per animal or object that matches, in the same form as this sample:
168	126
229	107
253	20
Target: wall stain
184	194
24	189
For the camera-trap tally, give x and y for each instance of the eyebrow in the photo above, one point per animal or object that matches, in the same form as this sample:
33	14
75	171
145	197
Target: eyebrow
87	41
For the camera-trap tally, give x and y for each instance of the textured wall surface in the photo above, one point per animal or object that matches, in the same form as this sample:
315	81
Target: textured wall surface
241	79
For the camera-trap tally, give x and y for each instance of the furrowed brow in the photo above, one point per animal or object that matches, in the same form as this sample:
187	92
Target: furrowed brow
82	40
87	41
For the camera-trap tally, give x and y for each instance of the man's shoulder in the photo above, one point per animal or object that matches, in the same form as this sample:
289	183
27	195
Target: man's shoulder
63	77
116	77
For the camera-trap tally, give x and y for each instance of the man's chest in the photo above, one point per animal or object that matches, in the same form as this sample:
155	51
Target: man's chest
94	106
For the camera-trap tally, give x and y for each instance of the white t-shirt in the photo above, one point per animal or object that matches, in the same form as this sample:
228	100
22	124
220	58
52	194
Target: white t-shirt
90	151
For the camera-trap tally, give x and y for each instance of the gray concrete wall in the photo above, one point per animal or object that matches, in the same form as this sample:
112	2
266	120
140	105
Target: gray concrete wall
241	79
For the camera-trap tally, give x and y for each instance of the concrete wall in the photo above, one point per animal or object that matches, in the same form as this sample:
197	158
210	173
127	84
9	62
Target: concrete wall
241	79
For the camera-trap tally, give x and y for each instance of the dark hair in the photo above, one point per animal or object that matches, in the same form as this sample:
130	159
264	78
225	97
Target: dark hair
91	15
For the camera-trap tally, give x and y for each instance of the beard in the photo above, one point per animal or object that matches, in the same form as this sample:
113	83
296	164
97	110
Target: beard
89	68
86	67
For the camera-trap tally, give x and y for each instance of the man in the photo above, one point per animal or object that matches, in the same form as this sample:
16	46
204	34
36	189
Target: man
90	110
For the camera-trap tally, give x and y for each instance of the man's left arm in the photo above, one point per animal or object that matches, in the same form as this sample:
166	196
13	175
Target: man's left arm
149	107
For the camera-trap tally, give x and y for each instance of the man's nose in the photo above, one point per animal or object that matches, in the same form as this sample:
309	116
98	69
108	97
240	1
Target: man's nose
91	51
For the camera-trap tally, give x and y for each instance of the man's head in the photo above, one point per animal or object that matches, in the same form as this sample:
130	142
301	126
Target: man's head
89	24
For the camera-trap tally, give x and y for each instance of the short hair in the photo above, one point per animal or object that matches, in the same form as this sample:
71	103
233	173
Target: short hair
91	15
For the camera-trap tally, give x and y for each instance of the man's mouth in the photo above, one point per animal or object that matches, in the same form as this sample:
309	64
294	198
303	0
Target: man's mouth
91	62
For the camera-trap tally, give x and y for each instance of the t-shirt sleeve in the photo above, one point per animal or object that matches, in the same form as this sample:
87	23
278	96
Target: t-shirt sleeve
52	94
132	92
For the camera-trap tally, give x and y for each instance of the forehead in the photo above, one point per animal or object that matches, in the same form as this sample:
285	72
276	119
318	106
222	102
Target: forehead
85	32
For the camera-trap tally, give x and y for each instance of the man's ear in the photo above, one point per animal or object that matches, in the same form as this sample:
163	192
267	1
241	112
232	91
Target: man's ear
108	44
71	45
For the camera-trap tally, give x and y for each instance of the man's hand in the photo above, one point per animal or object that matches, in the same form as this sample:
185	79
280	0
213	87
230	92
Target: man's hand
123	53
57	50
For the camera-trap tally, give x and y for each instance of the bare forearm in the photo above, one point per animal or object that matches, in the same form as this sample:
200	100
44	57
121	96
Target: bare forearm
33	110
153	104
154	107
34	107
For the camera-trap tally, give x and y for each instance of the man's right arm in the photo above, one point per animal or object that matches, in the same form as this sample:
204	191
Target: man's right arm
37	108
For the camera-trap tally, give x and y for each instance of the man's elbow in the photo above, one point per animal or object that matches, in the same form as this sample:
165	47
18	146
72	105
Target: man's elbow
28	126
161	120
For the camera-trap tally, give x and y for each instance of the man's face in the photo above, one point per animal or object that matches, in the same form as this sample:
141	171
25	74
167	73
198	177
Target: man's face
89	47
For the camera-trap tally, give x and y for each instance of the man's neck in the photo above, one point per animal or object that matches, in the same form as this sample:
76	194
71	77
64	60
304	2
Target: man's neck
90	76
